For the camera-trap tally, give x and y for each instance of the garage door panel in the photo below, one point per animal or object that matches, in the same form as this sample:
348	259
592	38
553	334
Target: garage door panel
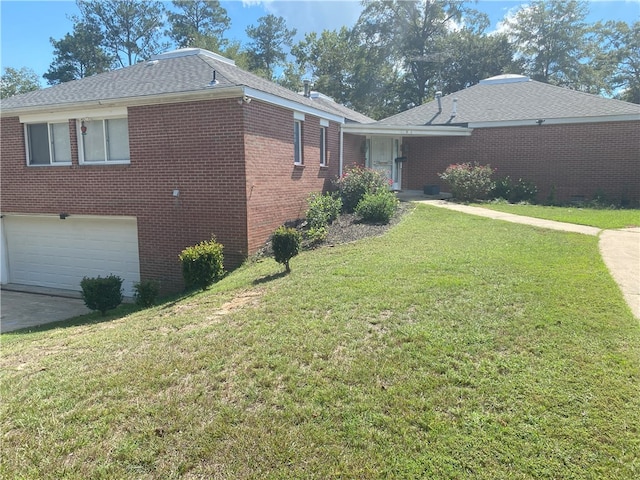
47	251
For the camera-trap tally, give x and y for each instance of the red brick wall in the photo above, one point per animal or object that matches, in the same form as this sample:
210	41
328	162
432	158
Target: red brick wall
233	166
354	153
194	147
575	160
277	190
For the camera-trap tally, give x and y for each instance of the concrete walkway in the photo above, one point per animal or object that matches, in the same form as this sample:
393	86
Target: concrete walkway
620	249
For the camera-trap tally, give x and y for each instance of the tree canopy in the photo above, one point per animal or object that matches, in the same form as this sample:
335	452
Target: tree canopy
14	81
396	55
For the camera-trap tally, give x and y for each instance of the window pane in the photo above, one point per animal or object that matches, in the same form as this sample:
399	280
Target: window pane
323	145
118	139
38	144
93	141
61	142
296	142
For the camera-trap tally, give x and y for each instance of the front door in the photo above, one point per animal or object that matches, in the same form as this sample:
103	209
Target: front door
384	151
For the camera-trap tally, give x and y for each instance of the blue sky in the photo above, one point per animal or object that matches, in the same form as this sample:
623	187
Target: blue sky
27	25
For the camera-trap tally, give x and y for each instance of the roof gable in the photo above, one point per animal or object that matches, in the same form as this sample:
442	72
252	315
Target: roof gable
185	72
513	98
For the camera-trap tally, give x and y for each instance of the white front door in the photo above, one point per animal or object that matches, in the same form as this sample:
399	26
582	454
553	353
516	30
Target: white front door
384	151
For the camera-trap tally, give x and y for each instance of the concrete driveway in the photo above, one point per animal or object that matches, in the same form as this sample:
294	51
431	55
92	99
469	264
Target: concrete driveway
23	309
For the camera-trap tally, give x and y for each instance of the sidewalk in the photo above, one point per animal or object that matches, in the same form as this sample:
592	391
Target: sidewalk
620	249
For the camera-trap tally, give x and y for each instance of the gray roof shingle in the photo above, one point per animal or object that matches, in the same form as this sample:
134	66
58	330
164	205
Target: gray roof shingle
182	71
512	98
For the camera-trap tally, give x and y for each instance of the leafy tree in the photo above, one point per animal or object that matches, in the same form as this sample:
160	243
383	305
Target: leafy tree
78	55
131	29
472	55
266	51
14	82
408	33
554	41
198	23
621	58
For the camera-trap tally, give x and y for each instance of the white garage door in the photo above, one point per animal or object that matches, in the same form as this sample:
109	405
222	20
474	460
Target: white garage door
50	252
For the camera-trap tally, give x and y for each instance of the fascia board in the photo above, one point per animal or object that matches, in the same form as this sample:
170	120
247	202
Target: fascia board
210	93
291	105
407	131
556	121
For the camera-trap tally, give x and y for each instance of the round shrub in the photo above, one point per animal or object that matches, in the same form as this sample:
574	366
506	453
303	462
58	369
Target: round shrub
202	264
377	207
146	293
356	181
285	243
102	294
468	181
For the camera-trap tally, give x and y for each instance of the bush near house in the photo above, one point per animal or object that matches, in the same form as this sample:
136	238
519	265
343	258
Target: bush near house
377	207
102	294
468	181
520	191
285	243
202	264
322	209
146	293
356	181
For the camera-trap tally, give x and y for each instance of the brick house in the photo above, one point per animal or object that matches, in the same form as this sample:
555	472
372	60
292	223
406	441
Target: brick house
117	173
572	145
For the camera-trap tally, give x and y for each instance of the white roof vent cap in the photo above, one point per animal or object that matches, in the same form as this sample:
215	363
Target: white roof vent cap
506	78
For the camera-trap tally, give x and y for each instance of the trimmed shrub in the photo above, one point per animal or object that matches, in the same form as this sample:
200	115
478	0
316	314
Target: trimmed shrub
146	293
202	264
468	181
356	181
102	294
322	209
285	243
377	207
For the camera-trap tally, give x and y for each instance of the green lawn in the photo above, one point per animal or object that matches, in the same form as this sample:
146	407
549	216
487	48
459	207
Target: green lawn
601	218
452	347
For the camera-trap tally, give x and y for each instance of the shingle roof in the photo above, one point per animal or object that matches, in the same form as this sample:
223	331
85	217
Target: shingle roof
181	71
511	98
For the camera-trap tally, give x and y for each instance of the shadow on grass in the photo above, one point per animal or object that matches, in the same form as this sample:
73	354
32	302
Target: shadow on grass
269	278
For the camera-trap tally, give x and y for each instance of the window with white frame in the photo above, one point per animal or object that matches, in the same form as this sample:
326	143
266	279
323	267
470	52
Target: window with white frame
297	142
48	143
323	146
105	141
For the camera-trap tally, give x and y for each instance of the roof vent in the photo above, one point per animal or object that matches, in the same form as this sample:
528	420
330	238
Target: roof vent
439	98
152	62
506	78
307	88
213	80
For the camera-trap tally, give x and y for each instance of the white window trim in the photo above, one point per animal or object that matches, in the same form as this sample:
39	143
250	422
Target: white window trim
81	159
51	163
323	145
298	147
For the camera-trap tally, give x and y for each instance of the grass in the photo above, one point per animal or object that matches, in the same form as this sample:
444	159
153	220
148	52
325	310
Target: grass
594	217
452	347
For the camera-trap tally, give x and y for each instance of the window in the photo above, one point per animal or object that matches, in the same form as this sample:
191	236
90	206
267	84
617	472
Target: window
297	142
323	146
105	141
48	144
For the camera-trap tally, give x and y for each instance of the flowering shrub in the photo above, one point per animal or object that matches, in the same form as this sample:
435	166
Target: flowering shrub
377	207
468	181
356	181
